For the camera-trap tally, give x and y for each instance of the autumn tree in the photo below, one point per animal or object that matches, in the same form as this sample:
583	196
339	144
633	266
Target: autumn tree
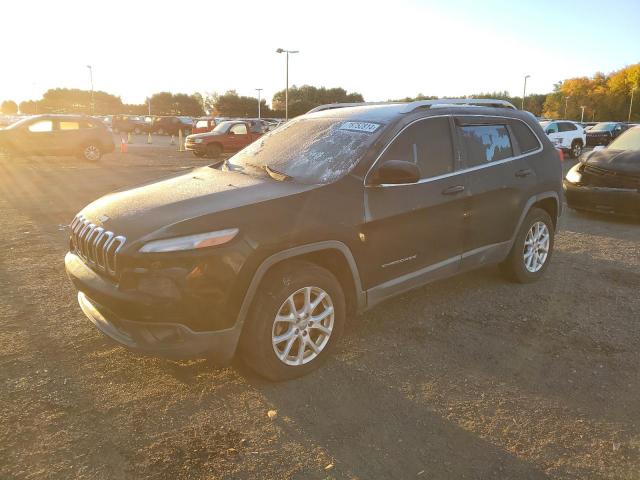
9	107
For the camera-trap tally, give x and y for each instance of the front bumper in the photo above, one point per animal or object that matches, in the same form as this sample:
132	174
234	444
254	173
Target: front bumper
596	140
195	147
619	201
153	334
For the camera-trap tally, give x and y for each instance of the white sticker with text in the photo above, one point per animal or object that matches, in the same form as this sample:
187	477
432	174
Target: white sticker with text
366	127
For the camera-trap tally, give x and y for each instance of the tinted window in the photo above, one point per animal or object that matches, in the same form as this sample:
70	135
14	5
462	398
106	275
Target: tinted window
426	143
567	127
69	125
485	143
551	128
239	129
524	136
41	126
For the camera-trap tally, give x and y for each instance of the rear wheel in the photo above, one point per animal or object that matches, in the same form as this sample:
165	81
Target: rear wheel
576	148
91	152
296	320
214	150
532	248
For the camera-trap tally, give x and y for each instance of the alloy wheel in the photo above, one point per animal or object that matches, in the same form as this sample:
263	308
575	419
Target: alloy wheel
92	153
536	247
303	325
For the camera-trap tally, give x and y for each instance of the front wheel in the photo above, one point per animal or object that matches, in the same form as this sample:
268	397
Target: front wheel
214	150
532	248
296	320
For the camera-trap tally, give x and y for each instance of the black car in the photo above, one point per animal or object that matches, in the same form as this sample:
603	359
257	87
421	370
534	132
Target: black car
172	125
325	217
608	180
604	132
129	124
86	137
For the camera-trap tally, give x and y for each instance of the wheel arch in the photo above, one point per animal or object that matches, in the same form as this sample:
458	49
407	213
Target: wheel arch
333	255
548	201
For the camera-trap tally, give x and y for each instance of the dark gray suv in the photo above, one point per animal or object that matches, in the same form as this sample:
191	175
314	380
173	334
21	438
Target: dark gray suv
322	218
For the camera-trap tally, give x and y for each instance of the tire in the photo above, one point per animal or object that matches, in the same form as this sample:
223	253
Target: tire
576	149
520	266
291	280
91	152
214	150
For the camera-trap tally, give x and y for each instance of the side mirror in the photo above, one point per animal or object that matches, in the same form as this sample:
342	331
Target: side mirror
395	172
548	131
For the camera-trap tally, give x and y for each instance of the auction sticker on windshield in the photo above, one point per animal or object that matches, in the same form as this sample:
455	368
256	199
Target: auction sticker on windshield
366	127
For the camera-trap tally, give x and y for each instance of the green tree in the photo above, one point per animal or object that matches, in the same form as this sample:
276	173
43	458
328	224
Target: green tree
233	105
29	107
167	103
304	98
9	107
73	100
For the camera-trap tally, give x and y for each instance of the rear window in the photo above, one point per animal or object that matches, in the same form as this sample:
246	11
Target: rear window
527	141
485	143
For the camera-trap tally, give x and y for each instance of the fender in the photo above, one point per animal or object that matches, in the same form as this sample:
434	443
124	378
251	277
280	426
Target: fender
296	252
532	201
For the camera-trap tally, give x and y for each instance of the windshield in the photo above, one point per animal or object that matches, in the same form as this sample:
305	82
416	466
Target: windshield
310	150
629	140
603	127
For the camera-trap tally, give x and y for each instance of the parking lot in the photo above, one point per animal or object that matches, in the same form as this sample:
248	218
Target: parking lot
471	377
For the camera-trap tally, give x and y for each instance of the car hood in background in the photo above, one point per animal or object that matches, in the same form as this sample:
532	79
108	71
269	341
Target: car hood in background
627	161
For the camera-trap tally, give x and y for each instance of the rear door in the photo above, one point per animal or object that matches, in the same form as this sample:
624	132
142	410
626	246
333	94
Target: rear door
500	181
68	136
414	230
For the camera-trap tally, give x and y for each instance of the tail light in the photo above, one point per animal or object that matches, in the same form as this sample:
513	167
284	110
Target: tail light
560	154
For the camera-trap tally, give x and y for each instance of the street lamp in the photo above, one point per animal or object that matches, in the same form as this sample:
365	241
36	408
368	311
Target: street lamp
91	81
524	91
259	90
566	103
582	114
631	103
286	92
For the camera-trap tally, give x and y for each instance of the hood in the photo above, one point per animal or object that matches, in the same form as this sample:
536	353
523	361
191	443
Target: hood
159	206
203	135
627	161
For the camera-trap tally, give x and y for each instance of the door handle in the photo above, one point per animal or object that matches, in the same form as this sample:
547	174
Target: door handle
524	173
453	190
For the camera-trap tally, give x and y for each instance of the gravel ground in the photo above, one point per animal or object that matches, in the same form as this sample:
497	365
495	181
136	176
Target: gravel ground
471	377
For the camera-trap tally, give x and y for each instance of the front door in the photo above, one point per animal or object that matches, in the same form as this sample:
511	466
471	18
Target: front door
39	137
414	231
239	137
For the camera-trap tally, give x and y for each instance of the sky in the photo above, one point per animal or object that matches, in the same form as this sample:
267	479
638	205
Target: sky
384	50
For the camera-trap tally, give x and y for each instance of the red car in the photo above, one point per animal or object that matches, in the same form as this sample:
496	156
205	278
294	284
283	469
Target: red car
227	137
204	124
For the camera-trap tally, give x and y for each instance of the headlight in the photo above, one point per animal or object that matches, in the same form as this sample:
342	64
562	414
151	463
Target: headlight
190	242
197	140
574	175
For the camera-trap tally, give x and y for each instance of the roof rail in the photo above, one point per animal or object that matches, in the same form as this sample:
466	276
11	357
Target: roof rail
330	106
462	102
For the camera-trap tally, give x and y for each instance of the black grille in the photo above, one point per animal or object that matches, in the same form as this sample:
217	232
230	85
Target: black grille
96	246
602	177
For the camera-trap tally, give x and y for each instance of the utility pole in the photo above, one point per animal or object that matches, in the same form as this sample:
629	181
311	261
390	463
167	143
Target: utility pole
91	80
566	103
286	92
582	114
524	91
259	90
631	103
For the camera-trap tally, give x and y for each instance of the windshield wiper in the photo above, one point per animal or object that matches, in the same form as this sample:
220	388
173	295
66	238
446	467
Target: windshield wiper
276	175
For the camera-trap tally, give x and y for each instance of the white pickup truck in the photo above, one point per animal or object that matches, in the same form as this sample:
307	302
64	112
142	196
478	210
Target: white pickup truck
568	136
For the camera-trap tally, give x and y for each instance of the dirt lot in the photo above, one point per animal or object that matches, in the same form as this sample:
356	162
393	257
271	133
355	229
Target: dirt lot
472	377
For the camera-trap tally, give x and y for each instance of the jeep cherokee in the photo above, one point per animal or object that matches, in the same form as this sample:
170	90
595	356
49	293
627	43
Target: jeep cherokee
269	252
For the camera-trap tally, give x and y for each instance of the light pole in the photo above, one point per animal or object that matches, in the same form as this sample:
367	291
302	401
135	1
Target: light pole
524	90
582	114
631	103
259	90
91	81
566	103
286	92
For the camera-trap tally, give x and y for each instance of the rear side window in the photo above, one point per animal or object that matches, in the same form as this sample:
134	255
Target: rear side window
485	143
426	143
527	141
202	124
239	129
567	127
69	125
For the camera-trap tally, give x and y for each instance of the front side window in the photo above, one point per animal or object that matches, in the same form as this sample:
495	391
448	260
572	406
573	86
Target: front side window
69	125
41	126
567	127
550	127
428	144
485	143
239	129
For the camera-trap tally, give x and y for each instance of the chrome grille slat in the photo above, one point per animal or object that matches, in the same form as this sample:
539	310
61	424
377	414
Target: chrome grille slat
96	246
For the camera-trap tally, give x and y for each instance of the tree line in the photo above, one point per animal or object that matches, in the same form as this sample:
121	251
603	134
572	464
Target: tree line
603	96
